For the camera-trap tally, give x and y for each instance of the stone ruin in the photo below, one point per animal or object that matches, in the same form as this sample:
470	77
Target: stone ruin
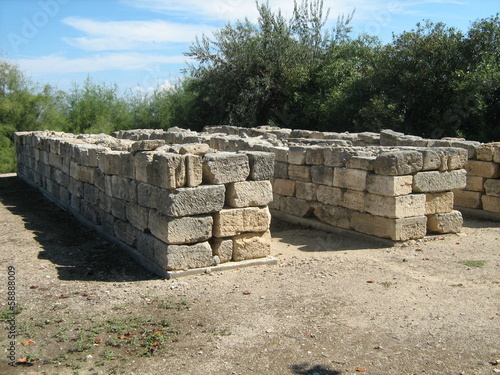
180	200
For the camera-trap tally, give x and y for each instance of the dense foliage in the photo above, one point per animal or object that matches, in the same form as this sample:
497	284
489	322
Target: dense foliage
432	81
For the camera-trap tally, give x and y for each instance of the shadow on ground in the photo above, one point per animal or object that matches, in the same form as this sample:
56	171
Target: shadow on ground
78	252
306	369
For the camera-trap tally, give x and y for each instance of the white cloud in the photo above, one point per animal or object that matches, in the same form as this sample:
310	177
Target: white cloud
100	62
130	35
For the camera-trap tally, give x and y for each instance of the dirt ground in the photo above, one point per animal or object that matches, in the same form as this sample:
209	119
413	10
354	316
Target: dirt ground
333	305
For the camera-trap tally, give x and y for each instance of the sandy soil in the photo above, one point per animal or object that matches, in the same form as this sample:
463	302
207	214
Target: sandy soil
333	305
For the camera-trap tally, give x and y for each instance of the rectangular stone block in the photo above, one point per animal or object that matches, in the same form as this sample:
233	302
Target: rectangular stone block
104	202
475	183
223	248
395	207
333	215
123	188
389	185
119	208
485	152
261	165
280	170
297	155
492	187
467	199
137	216
167	170
491	203
336	156
141	161
284	187
91	193
231	222
183	257
321	174
306	191
398	163
189	229
354	200
225	167
148	195
354	179
436	203
190	201
194	170
110	161
361	162
483	168
294	206
249	193
409	228
436	181
299	172
125	232
251	246
329	195
280	153
314	155
445	223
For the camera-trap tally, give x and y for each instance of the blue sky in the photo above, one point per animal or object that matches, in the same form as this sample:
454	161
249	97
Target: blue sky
140	43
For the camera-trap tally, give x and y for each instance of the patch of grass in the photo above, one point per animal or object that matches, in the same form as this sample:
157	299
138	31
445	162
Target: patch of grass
473	263
179	305
386	284
7	313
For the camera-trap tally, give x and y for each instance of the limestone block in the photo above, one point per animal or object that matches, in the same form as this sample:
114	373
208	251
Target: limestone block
397	207
249	193
148	195
361	162
496	157
104	202
280	170
84	174
75	187
280	153
64	196
492	187
475	183
297	155
457	158
437	203
91	193
147	145
284	187
199	149
99	179
223	167
333	215
119	208
125	232
141	161
90	212
433	159
436	181
148	245
398	163
190	201
230	222
294	206
194	170
321	174
314	155
486	152
181	257
251	246
55	161
306	191
329	195
491	203
354	200
389	185
261	165
189	229
110	161
396	229
299	172
137	216
166	170
123	188
75	203
483	168
275	204
354	179
468	199
445	223
223	248
336	156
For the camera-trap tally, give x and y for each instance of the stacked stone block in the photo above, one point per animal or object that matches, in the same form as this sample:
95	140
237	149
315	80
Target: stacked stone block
179	207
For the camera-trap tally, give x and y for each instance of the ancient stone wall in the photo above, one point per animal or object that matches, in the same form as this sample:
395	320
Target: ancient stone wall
177	208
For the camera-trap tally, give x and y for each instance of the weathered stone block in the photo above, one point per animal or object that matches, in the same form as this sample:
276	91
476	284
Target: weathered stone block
306	191
123	188
194	170
125	232
294	206
249	193
299	172
333	215
280	153
336	157
354	179
354	200
483	168
91	193
110	161
105	202
230	222
475	183
223	167
182	230
445	223
398	207
436	181
398	163
284	187
314	155
396	229
491	203
280	170
261	165
119	208
251	246
166	170
321	174
190	201
486	152
389	185
181	257
361	162
141	161
137	216
223	248
436	203
492	187
297	155
147	144
468	199
329	195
